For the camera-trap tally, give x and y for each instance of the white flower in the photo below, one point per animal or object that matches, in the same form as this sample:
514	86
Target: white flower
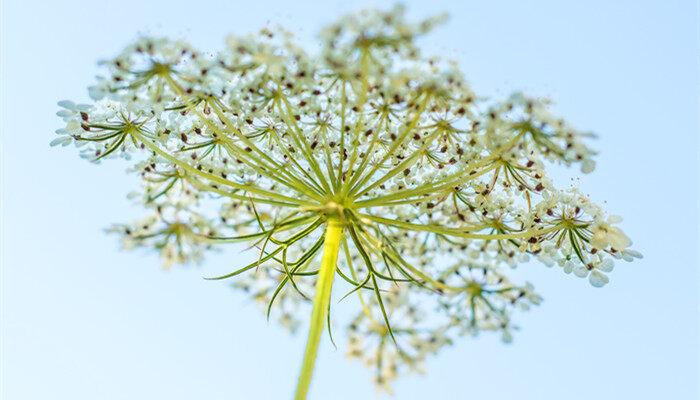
595	271
587	166
606	235
428	189
629	255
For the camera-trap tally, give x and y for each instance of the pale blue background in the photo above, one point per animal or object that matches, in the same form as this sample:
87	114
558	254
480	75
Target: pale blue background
82	320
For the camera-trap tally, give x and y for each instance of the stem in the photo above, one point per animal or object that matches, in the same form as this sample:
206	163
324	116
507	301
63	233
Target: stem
322	299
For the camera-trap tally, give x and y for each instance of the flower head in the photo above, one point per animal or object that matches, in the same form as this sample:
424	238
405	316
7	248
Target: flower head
375	162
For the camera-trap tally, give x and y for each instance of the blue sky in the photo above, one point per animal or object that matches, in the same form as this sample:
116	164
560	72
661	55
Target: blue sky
83	320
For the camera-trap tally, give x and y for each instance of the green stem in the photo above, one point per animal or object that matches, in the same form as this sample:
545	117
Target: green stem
322	299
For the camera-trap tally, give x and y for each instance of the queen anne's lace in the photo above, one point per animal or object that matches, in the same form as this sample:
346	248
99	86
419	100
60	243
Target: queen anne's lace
439	191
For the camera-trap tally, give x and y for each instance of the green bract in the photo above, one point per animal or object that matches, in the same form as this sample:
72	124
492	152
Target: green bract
365	170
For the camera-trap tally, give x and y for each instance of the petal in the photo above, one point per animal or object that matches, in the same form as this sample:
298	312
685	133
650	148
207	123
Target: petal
614	219
581	271
606	266
568	267
506	337
634	253
67	104
618	239
62	140
598	279
96	93
599	239
587	166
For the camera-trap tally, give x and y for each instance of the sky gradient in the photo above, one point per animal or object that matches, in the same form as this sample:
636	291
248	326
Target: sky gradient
83	320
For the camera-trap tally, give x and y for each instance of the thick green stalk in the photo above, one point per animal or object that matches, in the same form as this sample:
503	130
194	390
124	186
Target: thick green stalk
322	299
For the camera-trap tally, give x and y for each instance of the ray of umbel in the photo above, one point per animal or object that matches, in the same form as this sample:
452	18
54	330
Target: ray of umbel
366	170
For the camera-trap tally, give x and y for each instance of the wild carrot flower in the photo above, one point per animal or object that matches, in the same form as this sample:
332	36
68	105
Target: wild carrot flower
366	168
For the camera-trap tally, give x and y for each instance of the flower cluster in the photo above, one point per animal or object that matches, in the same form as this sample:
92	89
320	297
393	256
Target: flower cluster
406	346
366	164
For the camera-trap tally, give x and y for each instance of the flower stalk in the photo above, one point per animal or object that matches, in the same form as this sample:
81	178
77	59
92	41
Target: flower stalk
321	304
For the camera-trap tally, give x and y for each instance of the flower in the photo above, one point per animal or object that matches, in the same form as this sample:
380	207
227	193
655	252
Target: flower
367	168
371	342
596	269
490	298
605	235
178	235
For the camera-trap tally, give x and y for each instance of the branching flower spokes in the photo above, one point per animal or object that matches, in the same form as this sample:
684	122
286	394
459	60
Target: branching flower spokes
368	158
